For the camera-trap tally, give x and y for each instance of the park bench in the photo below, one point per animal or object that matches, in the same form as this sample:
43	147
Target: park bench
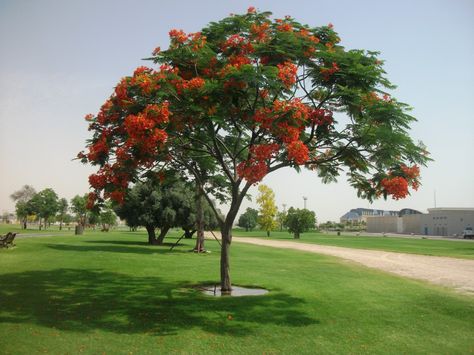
6	241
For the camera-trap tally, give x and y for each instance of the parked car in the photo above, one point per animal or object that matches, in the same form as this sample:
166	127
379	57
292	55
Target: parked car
468	233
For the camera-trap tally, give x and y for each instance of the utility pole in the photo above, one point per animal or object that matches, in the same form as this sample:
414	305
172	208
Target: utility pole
305	199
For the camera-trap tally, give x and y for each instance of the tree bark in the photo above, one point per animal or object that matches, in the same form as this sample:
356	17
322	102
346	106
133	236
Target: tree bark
79	230
226	285
199	220
268	233
297	235
151	234
161	237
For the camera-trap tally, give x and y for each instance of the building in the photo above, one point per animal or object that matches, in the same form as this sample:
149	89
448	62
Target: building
361	214
438	221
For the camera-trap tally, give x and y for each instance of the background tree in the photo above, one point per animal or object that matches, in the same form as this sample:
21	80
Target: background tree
107	217
268	209
79	208
63	207
23	210
24	194
21	197
299	221
281	218
248	219
45	204
154	205
253	95
68	219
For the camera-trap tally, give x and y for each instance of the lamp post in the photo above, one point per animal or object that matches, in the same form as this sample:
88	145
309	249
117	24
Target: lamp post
305	199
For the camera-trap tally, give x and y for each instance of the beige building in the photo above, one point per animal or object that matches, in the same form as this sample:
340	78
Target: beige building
438	221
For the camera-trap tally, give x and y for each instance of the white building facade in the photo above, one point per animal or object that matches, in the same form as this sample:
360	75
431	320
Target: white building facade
438	221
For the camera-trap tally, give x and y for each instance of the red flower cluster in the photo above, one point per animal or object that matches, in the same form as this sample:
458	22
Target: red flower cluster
121	90
236	61
159	114
238	43
395	186
178	36
98	149
98	181
328	72
284	26
287	73
255	168
252	170
286	119
304	33
263	151
91	198
192	84
117	196
143	134
412	174
260	32
298	152
197	40
145	79
321	117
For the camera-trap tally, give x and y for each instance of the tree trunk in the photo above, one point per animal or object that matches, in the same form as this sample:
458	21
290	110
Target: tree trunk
61	225
162	235
297	235
79	230
24	223
226	285
268	233
151	235
199	221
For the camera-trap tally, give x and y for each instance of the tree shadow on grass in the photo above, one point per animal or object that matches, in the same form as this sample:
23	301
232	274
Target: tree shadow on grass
86	300
148	249
140	243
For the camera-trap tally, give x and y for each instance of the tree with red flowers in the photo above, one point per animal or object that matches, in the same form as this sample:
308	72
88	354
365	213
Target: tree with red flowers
247	96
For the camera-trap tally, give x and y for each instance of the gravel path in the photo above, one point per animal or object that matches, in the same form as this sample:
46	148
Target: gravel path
445	271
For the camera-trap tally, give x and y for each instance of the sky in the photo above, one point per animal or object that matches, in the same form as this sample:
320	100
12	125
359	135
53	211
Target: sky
61	59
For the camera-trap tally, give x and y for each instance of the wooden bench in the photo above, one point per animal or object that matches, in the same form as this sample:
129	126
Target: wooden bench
6	241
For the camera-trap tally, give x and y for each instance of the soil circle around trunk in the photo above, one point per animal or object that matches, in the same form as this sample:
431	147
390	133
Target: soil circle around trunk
237	291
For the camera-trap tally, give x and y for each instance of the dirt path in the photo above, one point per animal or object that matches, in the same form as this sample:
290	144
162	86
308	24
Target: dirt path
445	271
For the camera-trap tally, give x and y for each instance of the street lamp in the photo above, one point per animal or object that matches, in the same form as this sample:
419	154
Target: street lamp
305	199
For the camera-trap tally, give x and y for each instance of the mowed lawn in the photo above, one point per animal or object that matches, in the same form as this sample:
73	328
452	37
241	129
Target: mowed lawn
453	248
111	293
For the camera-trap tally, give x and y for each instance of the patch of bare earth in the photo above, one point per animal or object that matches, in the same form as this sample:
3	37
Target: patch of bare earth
444	271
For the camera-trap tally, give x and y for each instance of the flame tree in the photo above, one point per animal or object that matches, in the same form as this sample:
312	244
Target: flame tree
247	96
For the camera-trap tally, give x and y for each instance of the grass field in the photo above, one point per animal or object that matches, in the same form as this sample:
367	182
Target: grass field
457	249
111	293
33	229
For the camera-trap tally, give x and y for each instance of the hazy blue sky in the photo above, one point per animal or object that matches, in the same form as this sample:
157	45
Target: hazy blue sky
61	59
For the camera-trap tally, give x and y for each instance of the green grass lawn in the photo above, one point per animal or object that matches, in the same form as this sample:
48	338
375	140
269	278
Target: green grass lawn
111	293
457	249
33	229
